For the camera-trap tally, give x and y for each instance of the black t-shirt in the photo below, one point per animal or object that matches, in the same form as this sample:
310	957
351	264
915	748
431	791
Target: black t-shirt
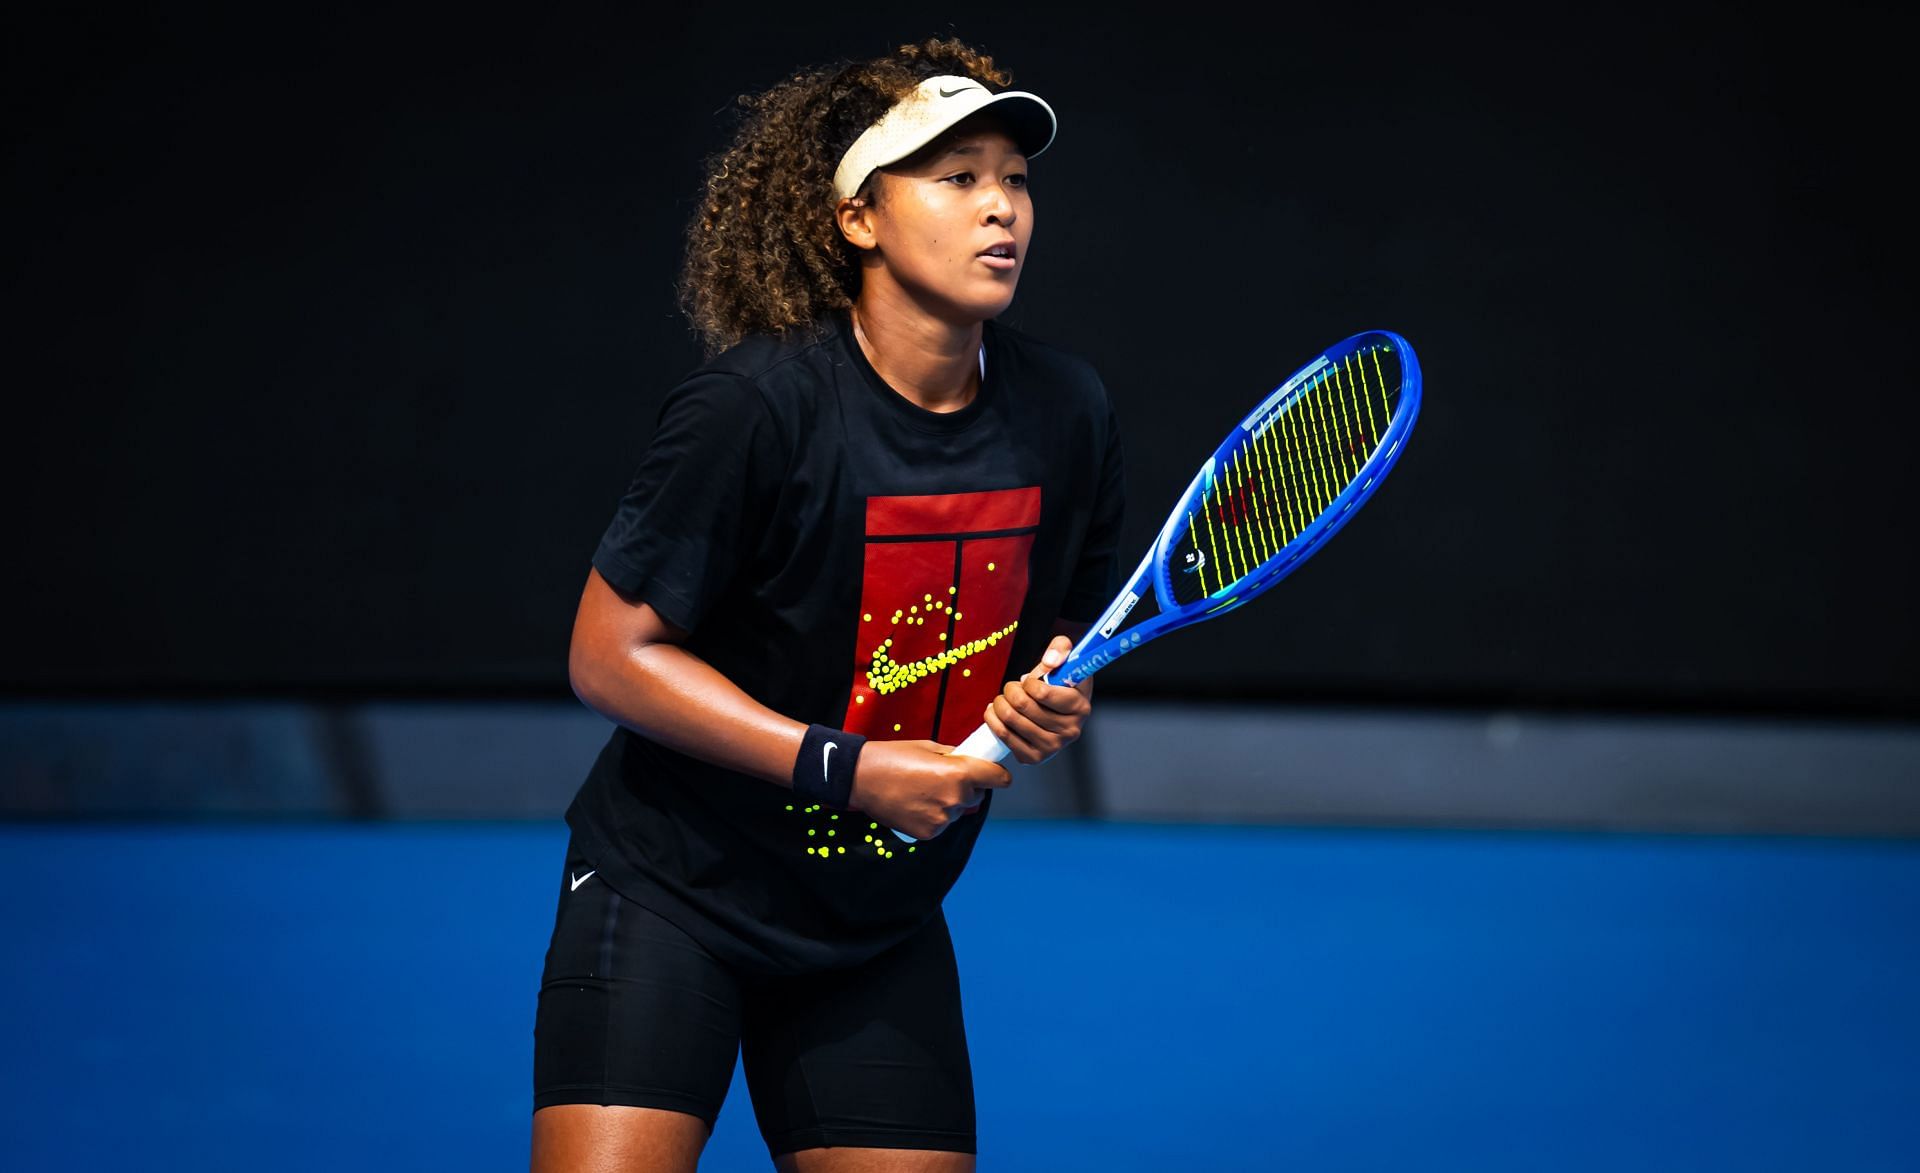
849	559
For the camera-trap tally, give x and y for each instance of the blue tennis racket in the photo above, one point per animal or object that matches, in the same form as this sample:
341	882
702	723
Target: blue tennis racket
1282	482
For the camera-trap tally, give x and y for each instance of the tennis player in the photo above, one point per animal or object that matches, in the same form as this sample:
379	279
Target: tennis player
864	526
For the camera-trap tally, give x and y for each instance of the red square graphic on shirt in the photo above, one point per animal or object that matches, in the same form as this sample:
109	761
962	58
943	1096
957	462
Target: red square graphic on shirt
940	599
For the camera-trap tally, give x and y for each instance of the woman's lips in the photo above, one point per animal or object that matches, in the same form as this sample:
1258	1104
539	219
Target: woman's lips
1001	263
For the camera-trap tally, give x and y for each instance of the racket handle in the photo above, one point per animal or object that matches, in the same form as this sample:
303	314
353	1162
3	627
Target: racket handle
982	744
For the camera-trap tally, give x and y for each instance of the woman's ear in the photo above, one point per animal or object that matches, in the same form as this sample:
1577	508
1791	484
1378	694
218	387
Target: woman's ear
855	216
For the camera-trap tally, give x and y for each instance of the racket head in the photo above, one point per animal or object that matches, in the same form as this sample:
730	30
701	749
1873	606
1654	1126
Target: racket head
1283	481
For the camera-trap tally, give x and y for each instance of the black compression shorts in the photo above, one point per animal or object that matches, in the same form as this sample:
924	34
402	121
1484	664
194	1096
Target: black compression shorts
632	1011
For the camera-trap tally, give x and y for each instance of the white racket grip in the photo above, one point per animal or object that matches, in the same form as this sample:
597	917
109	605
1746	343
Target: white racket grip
982	744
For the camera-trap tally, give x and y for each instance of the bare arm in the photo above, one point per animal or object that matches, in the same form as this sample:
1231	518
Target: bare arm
627	664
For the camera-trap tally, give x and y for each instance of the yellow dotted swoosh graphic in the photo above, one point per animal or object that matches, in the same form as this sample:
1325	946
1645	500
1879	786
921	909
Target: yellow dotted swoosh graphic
889	675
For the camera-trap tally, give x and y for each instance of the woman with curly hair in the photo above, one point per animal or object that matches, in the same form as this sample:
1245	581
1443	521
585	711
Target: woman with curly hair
872	506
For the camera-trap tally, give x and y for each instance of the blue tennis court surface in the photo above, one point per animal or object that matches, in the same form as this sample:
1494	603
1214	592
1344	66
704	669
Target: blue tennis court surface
1138	997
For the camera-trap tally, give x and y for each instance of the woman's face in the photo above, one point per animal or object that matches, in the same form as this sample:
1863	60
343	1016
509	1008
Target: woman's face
952	226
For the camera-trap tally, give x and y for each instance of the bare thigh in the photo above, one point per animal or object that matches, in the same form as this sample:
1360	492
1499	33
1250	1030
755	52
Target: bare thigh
596	1138
874	1161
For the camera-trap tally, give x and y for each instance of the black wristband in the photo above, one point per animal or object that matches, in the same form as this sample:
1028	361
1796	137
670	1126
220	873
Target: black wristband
823	771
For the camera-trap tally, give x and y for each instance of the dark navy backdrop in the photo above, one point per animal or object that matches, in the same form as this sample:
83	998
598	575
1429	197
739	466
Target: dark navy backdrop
337	339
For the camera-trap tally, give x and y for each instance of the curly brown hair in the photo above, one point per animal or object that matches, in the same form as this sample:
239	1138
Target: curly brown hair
763	251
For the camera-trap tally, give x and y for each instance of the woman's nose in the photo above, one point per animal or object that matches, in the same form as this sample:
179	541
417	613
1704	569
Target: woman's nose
1000	207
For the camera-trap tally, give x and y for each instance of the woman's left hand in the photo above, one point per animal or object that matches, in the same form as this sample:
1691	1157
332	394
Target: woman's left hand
1035	719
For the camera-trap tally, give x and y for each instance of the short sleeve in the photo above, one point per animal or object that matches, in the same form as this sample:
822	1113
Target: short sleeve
1096	577
698	506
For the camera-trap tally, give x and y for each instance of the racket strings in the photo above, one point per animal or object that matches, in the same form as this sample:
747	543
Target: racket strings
1278	481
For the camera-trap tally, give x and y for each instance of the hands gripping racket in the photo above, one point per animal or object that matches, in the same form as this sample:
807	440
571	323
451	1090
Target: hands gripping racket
1293	471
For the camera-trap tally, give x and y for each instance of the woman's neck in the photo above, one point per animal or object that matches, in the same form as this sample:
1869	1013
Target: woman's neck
930	362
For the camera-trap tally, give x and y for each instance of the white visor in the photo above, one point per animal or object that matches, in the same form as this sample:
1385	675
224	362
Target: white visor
934	105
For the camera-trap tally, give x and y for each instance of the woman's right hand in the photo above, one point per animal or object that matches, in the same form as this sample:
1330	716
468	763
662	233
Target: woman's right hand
919	788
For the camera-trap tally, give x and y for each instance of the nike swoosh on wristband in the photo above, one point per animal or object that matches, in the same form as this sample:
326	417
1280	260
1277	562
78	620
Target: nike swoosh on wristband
579	880
826	753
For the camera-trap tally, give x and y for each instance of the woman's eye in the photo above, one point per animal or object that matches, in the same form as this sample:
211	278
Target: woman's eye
1017	179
